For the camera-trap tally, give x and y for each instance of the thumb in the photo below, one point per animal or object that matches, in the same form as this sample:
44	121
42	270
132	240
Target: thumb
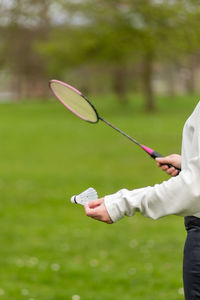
163	160
167	160
95	203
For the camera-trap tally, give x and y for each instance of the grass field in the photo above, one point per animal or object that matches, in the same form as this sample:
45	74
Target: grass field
49	250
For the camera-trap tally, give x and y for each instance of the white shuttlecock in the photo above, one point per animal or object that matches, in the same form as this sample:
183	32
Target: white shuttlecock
85	197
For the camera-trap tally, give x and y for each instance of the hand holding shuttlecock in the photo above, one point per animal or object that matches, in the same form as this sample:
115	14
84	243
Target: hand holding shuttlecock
85	197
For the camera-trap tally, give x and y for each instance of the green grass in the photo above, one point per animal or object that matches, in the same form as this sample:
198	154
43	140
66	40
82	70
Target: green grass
48	248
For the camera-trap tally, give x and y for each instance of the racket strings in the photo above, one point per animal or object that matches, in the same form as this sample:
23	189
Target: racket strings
75	102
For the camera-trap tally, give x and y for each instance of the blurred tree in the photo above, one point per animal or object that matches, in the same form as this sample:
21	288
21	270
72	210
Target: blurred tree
23	23
191	49
123	32
50	38
168	30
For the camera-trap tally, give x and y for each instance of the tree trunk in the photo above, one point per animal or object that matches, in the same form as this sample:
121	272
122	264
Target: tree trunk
148	84
171	80
119	84
190	82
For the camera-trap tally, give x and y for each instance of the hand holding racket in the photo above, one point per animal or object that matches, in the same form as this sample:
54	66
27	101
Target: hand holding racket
173	160
78	104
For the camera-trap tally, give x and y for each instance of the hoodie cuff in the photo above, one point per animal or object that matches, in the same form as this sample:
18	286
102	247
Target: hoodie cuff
112	204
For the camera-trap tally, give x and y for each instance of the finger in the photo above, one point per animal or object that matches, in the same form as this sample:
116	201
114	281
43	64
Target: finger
164	167
159	164
163	160
175	173
170	170
95	203
103	218
90	212
86	208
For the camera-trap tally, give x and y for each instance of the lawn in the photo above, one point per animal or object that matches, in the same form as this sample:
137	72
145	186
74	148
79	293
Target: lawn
49	250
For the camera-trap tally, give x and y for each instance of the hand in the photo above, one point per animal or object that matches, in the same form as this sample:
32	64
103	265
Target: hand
173	159
96	209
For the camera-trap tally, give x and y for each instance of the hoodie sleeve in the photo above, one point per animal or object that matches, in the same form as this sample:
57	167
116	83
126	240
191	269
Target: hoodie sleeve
179	195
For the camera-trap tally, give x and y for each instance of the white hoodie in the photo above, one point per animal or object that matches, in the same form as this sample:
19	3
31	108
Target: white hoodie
179	195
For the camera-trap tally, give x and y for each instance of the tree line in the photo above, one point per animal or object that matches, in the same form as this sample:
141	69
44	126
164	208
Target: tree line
113	45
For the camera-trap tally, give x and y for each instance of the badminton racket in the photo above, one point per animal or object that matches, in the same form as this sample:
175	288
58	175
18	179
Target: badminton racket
79	105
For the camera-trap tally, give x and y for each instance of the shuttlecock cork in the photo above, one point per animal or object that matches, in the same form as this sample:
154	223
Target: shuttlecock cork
85	197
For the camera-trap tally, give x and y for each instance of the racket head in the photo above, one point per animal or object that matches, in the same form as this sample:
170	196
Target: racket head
74	101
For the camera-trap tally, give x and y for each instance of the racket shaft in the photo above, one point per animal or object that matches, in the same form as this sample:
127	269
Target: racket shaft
149	151
120	131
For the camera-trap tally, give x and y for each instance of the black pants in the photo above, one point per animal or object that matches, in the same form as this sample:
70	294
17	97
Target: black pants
191	260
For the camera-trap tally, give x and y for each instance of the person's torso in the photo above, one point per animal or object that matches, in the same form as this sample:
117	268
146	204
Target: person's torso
190	141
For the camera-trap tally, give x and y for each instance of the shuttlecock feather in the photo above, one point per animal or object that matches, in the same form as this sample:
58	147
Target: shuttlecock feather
85	197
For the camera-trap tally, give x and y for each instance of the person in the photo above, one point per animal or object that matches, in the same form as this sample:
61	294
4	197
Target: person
179	195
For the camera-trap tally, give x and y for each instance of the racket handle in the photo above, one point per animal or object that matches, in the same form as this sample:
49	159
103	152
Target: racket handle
155	154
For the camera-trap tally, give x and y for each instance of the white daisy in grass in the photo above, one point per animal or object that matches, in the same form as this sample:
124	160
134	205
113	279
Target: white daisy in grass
55	267
94	263
25	292
20	262
33	261
181	291
76	297
133	243
132	271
